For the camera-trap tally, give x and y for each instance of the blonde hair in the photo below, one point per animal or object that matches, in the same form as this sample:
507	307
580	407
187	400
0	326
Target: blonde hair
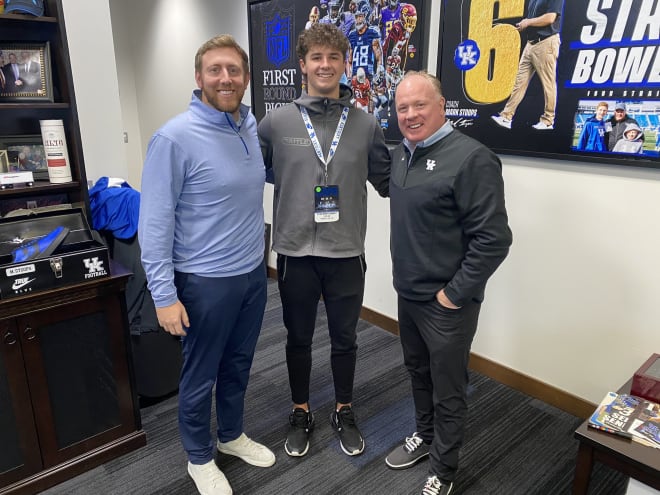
435	82
221	41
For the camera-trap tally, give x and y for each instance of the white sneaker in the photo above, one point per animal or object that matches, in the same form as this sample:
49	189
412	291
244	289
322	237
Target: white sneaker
208	479
250	451
542	126
502	121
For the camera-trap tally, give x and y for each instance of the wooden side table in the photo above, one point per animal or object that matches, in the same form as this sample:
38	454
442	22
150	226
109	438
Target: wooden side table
631	458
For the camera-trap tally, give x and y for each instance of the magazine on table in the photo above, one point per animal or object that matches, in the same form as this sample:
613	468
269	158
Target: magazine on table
630	417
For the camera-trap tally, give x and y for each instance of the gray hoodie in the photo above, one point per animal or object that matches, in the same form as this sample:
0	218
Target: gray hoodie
361	156
627	145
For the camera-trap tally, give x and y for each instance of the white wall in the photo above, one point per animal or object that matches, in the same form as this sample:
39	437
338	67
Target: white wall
575	303
156	42
89	33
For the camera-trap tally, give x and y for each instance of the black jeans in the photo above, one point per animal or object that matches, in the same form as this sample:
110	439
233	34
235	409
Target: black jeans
436	345
302	280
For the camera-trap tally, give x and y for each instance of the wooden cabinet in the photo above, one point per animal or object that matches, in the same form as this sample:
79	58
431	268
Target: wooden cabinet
21	118
67	396
67	393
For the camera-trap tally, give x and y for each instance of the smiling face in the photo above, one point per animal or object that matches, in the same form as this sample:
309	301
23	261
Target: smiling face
601	112
619	114
420	108
222	79
323	67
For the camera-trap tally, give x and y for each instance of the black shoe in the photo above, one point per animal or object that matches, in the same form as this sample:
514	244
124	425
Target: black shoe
410	453
434	486
350	438
297	439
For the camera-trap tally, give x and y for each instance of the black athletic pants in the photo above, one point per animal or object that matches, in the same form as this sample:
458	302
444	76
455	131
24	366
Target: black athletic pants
302	280
436	345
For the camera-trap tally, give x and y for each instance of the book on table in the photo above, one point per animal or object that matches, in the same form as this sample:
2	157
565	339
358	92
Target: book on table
630	417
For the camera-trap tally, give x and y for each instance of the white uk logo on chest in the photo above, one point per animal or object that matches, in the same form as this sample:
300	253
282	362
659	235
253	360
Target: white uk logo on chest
430	164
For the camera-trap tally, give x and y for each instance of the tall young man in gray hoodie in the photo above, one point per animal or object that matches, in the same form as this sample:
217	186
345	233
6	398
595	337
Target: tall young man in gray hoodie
322	151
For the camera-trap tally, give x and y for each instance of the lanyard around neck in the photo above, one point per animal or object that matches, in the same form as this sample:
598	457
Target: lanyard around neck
315	140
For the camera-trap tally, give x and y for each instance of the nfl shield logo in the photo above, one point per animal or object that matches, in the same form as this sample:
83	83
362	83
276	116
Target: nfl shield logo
278	39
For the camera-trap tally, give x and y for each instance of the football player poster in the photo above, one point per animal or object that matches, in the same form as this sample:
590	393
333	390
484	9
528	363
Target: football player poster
568	79
385	36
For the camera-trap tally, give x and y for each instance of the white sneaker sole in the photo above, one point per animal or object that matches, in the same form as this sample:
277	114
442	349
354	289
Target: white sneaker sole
296	454
408	464
249	460
354	452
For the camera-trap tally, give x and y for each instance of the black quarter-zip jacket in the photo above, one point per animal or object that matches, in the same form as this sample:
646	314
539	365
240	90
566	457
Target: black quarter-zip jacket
449	226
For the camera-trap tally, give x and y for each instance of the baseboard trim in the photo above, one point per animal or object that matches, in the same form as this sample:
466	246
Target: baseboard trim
380	320
519	381
549	394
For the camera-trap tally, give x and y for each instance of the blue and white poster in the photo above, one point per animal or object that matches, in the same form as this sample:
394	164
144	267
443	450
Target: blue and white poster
386	39
555	78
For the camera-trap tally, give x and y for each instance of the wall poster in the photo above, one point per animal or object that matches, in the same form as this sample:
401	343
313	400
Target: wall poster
602	62
387	38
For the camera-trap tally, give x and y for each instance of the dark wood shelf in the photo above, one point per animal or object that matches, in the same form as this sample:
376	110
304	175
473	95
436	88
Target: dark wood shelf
33	105
27	18
39	187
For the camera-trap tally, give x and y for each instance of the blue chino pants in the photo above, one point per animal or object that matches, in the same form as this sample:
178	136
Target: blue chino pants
225	320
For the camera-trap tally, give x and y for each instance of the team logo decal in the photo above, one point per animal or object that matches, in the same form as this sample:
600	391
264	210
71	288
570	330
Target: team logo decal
279	39
21	284
467	55
430	164
94	267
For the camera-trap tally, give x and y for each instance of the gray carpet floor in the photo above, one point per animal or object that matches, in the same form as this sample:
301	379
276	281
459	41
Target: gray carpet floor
514	444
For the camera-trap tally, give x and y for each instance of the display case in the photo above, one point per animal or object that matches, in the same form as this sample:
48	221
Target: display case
20	117
79	256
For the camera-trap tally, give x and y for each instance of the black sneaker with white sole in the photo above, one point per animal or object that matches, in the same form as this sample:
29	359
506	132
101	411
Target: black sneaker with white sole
297	439
350	438
409	453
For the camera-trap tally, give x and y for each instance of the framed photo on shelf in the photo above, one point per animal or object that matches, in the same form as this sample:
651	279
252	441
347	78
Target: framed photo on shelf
25	153
25	73
386	40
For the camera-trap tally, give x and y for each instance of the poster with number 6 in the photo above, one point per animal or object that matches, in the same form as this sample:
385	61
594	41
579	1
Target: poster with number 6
576	80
